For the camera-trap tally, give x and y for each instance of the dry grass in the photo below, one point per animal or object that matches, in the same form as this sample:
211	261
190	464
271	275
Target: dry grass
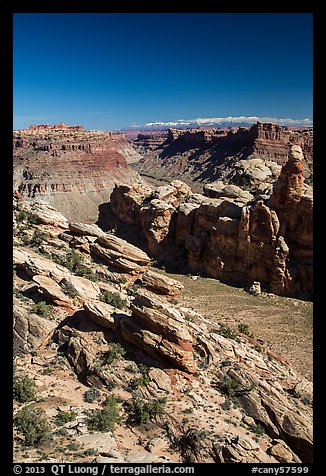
283	324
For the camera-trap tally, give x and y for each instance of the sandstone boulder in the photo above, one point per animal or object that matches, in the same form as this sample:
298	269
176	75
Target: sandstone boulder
34	264
101	313
86	229
156	221
159	330
116	260
161	284
126	201
83	287
220	190
29	330
124	249
47	215
51	289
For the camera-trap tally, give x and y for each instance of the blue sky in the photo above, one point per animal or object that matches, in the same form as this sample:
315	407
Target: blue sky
108	70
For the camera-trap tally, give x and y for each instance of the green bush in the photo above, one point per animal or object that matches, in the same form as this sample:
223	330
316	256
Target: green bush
63	417
42	309
70	290
227	332
229	386
37	238
141	381
245	329
22	216
110	385
258	429
106	418
72	260
115	351
112	298
142	412
23	389
30	422
91	395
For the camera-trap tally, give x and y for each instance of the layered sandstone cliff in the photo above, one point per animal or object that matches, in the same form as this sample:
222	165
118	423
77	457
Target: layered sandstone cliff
72	169
227	234
206	155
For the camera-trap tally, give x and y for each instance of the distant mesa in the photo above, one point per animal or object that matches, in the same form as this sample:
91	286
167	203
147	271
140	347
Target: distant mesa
61	126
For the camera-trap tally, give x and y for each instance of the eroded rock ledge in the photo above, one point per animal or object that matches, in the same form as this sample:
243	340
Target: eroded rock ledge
226	234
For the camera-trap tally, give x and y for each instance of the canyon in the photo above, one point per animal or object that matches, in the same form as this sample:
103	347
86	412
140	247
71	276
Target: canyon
72	169
199	156
116	240
227	233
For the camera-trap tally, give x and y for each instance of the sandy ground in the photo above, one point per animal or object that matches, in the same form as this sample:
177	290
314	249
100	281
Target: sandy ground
283	324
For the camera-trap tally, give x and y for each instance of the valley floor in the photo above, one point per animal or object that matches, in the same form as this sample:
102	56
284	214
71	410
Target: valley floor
285	325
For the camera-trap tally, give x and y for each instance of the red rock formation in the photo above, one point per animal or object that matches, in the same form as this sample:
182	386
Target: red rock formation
62	160
270	243
211	154
61	126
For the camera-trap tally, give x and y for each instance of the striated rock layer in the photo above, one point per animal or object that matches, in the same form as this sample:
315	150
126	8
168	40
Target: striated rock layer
72	169
213	154
230	236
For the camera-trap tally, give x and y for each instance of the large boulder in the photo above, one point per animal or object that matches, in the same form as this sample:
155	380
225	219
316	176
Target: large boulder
44	213
161	284
29	330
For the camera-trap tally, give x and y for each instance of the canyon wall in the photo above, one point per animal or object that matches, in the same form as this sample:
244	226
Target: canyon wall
226	235
72	169
206	155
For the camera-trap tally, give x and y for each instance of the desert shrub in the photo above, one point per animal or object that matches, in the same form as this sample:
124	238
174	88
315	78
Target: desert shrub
63	417
115	351
90	452
110	385
70	290
38	237
91	395
86	272
23	389
188	410
31	423
122	280
257	348
112	298
233	389
229	386
245	329
142	412
22	216
191	443
226	405
258	429
74	261
106	418
73	446
227	332
141	381
42	309
35	240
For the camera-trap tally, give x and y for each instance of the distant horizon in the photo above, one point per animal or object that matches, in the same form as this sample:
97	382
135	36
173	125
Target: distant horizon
184	124
109	71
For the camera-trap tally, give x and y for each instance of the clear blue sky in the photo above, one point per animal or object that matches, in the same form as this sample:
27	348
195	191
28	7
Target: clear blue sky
108	70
